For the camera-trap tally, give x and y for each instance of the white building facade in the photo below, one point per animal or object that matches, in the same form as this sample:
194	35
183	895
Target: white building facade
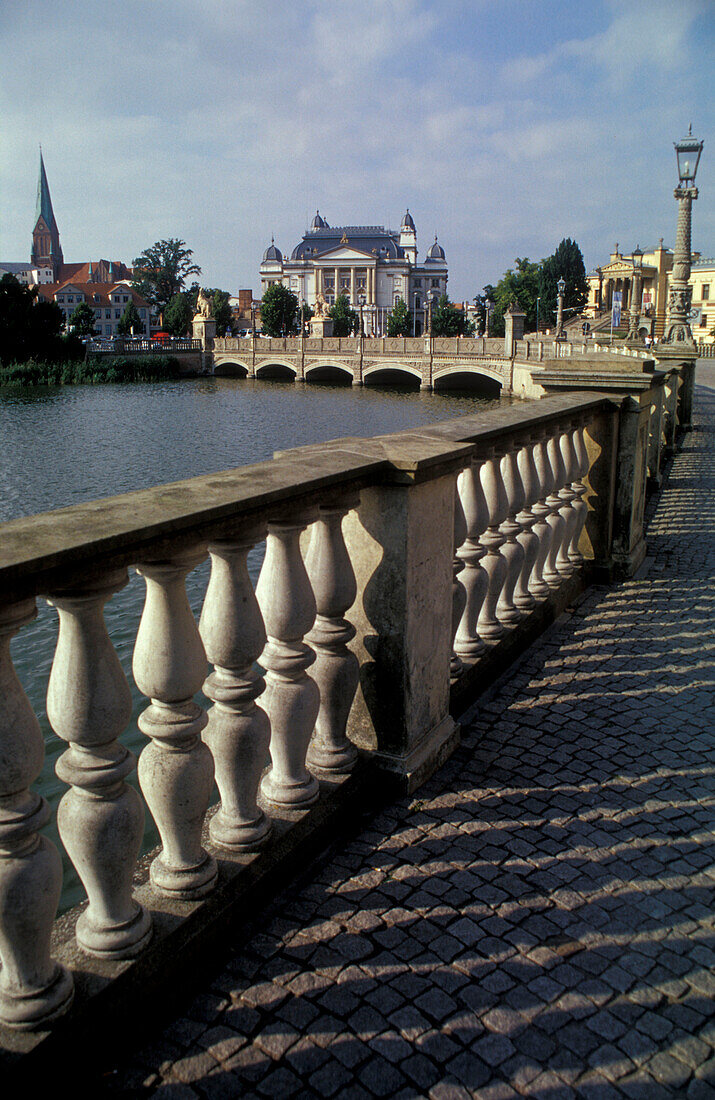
373	266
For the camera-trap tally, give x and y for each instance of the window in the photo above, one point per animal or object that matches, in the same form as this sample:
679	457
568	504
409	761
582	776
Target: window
705	294
107	314
70	298
703	320
124	298
418	282
418	303
117	314
435	282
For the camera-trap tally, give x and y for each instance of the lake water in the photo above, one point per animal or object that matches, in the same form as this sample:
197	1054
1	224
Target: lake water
60	446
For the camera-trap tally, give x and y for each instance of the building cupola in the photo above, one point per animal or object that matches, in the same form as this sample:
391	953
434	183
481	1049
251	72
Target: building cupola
318	222
273	254
435	253
408	237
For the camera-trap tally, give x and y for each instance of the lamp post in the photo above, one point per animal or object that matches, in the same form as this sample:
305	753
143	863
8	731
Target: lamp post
488	309
677	329
560	288
253	322
634	311
537	317
361	300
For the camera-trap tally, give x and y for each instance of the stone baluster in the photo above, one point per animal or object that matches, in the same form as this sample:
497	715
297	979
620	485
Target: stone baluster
492	540
176	769
292	698
336	668
475	580
238	730
459	595
34	989
527	539
542	510
555	520
567	494
580	489
100	818
512	550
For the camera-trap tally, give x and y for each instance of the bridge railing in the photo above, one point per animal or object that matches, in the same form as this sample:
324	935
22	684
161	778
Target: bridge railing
423	553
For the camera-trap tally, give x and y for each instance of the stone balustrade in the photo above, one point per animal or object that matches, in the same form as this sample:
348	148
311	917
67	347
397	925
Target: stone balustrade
396	571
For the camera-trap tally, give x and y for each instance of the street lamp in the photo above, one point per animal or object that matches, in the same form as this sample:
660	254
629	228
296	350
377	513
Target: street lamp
677	329
488	309
361	300
537	317
560	288
634	311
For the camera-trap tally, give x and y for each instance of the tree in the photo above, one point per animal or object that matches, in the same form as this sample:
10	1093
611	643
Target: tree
82	322
305	313
279	307
399	320
345	320
178	314
161	271
448	321
520	286
130	322
567	263
30	328
222	312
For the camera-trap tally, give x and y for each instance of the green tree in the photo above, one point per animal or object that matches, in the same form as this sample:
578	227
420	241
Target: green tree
345	320
130	322
178	314
448	321
222	312
161	272
305	313
31	328
279	307
567	263
399	320
82	321
520	286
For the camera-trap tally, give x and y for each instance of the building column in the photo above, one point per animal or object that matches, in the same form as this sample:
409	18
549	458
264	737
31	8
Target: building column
337	283
352	286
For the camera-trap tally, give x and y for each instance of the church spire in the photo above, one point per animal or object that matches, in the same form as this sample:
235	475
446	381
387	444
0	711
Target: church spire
46	248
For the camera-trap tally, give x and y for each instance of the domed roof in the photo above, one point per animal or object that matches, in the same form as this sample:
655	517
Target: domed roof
318	222
273	253
436	252
407	222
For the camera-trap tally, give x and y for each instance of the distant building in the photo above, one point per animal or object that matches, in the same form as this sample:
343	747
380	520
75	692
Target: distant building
372	265
246	312
105	284
617	276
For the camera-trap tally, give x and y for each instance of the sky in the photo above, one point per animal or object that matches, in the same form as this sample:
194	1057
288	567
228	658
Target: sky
504	127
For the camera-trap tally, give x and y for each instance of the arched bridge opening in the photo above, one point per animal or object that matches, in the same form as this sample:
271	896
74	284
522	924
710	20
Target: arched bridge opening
467	381
227	368
395	378
329	374
276	372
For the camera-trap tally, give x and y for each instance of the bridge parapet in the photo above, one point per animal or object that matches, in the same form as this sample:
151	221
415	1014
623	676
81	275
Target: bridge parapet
444	550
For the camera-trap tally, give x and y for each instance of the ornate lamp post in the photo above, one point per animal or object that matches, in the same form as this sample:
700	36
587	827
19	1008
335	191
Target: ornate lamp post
537	316
634	310
361	300
488	307
560	287
677	329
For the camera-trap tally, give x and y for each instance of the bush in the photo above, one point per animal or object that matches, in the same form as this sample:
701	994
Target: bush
91	371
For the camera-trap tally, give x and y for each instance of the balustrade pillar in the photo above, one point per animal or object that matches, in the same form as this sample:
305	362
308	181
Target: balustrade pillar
34	989
475	580
238	730
292	698
100	819
527	539
176	769
580	489
336	669
492	540
542	510
567	495
555	520
512	551
459	595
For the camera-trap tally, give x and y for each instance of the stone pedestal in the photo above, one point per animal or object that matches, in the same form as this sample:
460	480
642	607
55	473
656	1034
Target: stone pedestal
205	331
514	319
321	326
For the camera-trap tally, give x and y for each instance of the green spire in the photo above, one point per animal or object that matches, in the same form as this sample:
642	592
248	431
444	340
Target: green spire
44	202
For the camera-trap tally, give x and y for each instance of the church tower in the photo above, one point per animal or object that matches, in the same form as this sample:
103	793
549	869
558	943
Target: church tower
46	247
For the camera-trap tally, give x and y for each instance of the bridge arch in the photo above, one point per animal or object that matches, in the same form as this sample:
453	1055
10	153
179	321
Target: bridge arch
231	368
330	371
392	374
482	379
279	370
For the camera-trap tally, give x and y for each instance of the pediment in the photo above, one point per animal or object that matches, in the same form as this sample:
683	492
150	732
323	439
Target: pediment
344	253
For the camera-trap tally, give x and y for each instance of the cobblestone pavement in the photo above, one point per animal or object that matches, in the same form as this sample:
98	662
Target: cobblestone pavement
537	921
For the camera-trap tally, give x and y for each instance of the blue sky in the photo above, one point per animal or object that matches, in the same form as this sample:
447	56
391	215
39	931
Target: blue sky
503	126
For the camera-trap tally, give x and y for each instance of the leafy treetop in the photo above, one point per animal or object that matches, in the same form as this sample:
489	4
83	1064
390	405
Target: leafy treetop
448	321
279	307
82	320
345	319
399	321
161	271
130	323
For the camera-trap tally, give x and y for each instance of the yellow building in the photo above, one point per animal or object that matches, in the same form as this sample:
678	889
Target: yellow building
653	267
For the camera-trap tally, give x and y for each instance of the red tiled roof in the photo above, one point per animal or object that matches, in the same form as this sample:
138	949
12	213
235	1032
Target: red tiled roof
49	291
